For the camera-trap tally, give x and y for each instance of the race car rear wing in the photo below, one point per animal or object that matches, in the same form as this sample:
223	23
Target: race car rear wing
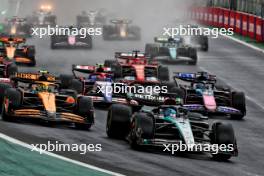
167	39
32	77
90	69
125	55
195	77
121	21
15	20
12	39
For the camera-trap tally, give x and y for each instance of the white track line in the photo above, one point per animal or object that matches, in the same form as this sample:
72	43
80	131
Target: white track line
15	141
244	43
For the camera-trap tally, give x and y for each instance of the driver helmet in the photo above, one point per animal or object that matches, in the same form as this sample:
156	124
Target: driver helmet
199	86
170	112
42	87
170	40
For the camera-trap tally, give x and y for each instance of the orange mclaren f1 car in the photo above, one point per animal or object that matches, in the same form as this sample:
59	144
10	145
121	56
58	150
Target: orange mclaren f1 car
12	51
38	96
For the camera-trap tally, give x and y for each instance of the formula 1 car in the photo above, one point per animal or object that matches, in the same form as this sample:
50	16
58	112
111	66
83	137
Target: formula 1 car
71	41
121	31
43	17
90	18
17	26
95	82
168	126
137	66
38	96
205	96
12	51
99	86
172	50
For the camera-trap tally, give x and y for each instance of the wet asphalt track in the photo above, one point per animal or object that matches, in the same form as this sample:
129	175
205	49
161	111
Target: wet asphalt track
237	65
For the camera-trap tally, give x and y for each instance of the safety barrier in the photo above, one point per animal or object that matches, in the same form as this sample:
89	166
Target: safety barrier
243	23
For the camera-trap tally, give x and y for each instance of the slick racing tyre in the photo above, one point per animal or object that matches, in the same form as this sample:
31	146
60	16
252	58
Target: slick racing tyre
163	73
85	108
118	121
223	133
143	128
239	103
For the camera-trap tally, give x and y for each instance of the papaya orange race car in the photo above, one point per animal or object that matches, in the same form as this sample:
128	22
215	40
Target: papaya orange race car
11	50
38	96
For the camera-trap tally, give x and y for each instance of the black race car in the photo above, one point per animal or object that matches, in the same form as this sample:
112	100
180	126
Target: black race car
66	41
43	17
121	30
90	19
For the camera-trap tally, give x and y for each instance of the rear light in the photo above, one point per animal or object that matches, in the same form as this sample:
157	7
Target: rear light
70	100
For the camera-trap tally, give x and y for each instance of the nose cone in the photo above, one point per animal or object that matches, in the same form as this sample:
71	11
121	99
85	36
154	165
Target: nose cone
51	115
48	100
209	102
173	53
10	52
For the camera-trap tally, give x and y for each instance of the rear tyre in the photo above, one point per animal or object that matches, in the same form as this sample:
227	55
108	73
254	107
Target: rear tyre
3	88
85	108
222	133
193	56
33	62
14	98
205	45
143	129
163	73
12	69
239	102
110	63
117	71
66	81
31	51
77	86
118	121
152	50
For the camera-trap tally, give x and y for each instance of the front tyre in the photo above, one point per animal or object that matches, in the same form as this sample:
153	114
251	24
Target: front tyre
223	133
118	121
